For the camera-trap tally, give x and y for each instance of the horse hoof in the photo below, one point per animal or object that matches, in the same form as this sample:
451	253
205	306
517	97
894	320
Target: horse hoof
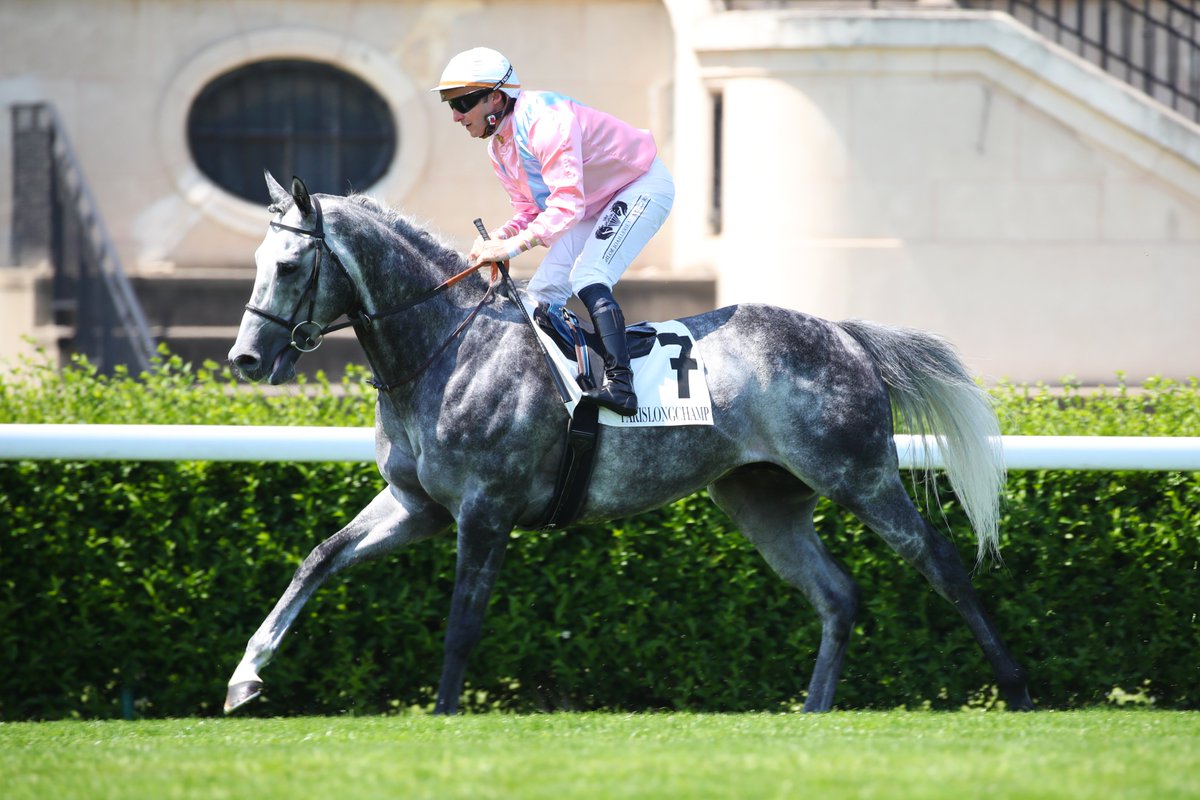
1020	703
241	693
1016	697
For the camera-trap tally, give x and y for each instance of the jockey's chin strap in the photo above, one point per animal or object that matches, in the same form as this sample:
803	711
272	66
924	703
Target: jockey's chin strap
308	334
493	120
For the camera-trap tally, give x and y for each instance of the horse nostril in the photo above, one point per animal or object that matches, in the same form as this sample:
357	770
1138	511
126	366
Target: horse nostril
244	363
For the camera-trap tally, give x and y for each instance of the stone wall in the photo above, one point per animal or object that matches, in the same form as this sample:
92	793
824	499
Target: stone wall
951	171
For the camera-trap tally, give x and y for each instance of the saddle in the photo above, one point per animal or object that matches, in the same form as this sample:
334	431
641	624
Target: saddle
680	396
579	342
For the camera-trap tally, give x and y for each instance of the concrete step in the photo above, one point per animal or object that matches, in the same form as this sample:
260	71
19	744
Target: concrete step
656	299
193	299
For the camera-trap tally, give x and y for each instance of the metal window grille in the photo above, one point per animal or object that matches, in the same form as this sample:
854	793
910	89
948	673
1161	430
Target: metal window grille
292	117
1153	45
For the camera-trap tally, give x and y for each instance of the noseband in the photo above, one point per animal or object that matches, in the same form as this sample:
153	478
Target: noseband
308	334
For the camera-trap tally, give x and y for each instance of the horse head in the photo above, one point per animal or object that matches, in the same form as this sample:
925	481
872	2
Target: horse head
300	285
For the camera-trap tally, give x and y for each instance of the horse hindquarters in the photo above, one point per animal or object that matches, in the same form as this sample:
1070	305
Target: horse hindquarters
774	510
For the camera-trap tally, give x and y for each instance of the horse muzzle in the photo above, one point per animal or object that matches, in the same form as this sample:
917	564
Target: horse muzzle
251	365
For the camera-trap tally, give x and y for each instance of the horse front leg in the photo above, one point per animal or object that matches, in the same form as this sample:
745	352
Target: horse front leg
392	520
481	552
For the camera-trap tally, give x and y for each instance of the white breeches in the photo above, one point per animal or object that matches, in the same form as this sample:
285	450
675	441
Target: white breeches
600	249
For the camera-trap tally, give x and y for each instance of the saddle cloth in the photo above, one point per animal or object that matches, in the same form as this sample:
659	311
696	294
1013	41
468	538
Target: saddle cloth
668	371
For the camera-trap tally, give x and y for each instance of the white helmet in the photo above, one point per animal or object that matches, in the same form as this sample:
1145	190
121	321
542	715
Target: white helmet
481	67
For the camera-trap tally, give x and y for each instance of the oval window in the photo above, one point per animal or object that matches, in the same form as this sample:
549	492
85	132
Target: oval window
292	117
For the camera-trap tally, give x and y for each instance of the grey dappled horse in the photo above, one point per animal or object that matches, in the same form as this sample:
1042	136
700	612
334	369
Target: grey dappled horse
469	430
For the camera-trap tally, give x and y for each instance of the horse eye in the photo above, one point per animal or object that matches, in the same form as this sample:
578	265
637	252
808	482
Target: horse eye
288	267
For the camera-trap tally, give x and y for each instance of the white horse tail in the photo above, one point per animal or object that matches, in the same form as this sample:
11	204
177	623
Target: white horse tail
932	394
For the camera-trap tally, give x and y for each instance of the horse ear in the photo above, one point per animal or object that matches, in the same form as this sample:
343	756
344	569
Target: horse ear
279	195
300	195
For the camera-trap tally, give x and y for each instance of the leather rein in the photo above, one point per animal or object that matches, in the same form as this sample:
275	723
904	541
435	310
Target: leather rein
308	334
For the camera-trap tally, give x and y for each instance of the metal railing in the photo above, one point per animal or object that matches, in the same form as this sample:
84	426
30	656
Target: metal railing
56	219
1153	45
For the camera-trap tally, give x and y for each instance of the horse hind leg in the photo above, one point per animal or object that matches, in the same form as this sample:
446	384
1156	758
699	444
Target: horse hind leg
891	514
774	510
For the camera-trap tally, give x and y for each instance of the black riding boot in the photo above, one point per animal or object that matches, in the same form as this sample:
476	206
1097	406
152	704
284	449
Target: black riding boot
616	393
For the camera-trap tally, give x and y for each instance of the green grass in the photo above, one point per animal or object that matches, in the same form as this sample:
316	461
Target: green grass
1083	754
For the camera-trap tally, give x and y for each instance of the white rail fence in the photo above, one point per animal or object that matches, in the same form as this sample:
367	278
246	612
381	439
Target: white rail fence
266	443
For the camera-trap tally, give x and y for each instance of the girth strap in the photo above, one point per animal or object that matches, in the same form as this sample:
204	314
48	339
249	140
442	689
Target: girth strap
575	467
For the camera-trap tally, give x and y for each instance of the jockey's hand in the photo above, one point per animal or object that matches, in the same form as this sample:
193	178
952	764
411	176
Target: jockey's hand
490	251
475	248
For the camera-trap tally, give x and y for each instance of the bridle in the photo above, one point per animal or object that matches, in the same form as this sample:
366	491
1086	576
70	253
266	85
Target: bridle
308	334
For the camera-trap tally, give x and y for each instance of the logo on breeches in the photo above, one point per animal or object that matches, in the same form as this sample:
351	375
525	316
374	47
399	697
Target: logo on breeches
613	221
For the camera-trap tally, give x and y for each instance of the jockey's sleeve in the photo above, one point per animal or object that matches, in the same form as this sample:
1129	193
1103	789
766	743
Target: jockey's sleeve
556	140
525	210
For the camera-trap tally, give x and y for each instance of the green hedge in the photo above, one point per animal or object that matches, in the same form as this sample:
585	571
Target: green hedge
131	588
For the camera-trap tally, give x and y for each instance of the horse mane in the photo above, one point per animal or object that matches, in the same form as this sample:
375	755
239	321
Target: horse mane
432	246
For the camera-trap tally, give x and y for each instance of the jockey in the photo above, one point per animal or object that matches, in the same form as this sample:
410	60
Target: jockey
582	183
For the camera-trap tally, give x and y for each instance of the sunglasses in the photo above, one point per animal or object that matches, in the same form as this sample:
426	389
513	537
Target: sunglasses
466	102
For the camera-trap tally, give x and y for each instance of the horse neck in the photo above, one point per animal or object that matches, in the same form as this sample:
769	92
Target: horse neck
393	271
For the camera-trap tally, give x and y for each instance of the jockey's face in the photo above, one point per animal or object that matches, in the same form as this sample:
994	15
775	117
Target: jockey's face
474	119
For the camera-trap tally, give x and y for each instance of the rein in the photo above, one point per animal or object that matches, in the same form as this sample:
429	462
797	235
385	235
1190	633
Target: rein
308	335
